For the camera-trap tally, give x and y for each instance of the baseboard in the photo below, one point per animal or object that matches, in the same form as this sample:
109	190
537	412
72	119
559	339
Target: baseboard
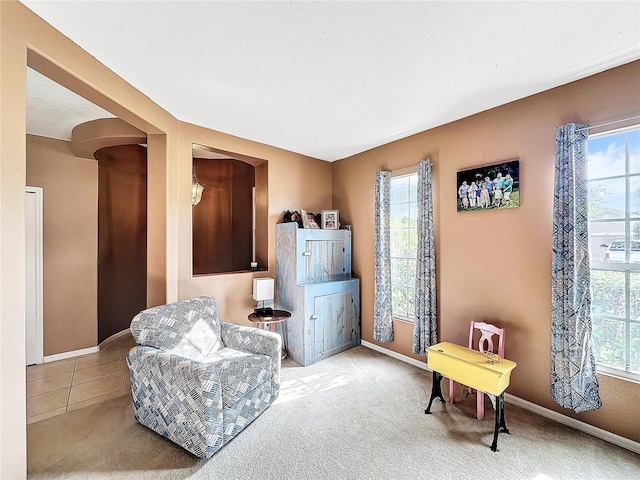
84	351
72	354
113	337
532	407
391	353
573	423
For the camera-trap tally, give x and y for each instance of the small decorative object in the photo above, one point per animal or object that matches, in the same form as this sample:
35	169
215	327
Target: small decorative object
308	219
290	216
262	292
492	358
254	266
492	187
296	217
330	219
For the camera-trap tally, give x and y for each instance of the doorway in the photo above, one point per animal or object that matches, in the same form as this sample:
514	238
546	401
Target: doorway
34	280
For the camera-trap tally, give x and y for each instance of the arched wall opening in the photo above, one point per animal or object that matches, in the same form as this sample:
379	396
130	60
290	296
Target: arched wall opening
122	237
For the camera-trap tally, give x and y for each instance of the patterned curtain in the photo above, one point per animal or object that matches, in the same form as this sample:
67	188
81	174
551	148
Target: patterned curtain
425	325
382	322
573	381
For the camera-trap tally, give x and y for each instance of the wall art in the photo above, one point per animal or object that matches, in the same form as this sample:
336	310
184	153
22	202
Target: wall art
492	187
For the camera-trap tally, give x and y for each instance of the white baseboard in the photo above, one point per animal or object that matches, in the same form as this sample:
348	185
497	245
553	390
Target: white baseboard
72	354
391	353
113	337
573	423
532	407
84	351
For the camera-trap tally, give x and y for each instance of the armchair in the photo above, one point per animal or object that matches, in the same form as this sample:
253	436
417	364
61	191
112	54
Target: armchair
198	381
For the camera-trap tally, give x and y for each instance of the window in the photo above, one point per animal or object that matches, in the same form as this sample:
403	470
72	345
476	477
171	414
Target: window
614	246
404	244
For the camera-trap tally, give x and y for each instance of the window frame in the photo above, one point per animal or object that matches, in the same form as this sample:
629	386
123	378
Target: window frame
396	174
626	267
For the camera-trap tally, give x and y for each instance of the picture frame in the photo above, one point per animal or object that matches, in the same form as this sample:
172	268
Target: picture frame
491	187
308	219
330	219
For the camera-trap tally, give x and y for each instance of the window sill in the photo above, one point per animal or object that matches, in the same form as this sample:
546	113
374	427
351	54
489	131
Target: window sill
212	274
617	373
403	320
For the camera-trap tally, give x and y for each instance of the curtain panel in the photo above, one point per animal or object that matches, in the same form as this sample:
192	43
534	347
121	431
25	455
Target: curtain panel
573	381
425	326
382	308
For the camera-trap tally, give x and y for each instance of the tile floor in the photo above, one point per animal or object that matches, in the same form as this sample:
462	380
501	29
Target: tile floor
58	387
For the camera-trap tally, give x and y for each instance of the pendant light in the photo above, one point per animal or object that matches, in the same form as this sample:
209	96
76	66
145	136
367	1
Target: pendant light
196	189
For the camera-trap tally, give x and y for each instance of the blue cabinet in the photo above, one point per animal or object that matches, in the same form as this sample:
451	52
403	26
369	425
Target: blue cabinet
313	282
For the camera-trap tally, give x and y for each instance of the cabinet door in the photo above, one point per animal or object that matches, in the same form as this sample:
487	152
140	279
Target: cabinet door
322	255
324	260
335	324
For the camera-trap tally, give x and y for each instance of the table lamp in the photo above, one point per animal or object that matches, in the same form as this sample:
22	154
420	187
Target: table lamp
263	291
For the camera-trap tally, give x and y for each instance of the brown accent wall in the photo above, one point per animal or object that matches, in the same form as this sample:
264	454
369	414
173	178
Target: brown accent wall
223	220
70	191
122	236
496	265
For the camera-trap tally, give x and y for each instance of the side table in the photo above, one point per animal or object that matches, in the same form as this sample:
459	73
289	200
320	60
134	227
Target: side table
266	321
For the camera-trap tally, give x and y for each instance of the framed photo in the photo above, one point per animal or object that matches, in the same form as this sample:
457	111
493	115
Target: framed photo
308	219
330	219
493	187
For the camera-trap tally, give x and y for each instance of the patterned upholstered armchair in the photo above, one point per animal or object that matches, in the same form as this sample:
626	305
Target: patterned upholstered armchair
198	381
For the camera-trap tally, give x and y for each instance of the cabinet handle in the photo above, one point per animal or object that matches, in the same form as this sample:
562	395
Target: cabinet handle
313	317
306	254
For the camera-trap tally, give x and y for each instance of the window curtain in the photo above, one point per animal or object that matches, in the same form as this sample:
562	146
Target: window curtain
425	325
573	381
382	321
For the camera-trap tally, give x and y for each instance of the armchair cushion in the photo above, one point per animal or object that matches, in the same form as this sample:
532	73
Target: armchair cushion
189	328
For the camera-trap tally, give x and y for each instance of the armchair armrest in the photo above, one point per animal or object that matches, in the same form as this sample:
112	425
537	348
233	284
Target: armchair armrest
251	339
255	340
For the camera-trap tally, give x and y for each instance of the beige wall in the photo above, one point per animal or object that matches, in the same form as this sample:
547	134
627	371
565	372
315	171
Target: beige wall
70	191
496	265
12	251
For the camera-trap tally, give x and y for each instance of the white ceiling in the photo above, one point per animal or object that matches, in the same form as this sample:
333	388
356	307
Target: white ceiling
53	111
332	79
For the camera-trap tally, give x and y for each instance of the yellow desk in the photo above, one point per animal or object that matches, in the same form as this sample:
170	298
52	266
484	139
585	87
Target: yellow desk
473	369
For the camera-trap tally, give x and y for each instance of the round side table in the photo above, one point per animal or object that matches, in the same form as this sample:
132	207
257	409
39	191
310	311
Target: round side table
266	321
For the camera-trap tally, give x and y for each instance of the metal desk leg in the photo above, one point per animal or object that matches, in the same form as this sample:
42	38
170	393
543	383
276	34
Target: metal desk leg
436	390
500	424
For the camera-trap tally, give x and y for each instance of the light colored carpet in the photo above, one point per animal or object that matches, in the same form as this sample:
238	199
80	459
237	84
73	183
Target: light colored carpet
357	415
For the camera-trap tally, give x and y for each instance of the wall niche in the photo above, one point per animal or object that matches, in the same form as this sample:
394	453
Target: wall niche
223	237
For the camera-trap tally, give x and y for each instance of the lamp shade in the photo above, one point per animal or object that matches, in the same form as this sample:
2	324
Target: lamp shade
263	288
